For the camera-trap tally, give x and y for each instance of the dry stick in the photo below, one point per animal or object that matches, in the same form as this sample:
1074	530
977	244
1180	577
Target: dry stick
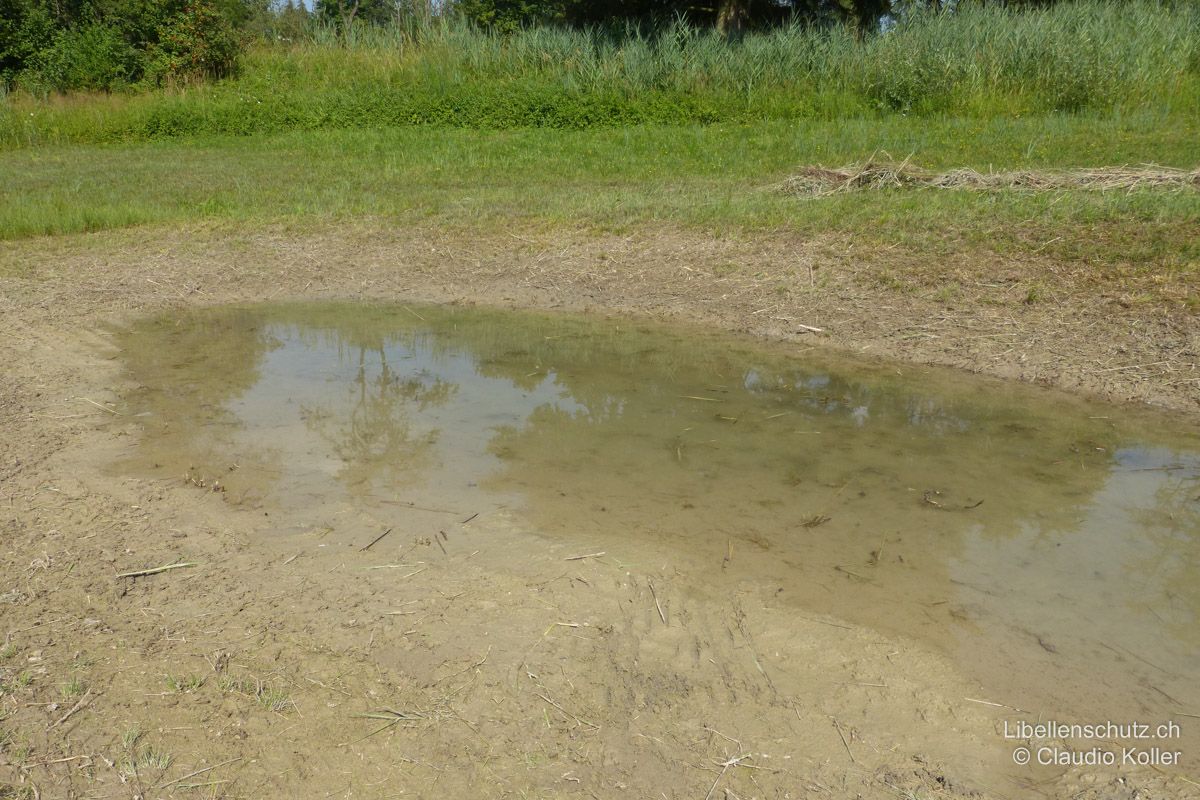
430	509
101	407
156	570
825	622
83	701
654	594
56	761
587	555
996	705
373	541
725	765
568	713
842	736
202	785
470	667
197	772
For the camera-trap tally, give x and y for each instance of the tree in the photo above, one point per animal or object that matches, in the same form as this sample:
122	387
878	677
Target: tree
345	13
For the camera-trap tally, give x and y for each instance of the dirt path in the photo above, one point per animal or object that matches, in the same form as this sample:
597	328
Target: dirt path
307	666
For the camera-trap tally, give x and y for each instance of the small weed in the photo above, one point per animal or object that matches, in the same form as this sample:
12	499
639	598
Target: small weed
147	759
20	754
890	279
21	681
184	683
130	738
73	689
231	685
274	699
948	293
7	651
269	698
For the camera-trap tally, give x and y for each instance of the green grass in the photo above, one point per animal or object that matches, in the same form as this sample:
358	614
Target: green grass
267	697
717	178
72	689
182	684
447	126
1097	56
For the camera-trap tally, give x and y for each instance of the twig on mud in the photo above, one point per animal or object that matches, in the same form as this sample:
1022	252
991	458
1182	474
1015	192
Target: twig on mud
578	719
395	717
996	705
809	328
99	406
154	571
416	507
373	541
851	573
83	701
657	605
468	668
56	761
842	736
725	765
825	622
723	736
197	772
586	555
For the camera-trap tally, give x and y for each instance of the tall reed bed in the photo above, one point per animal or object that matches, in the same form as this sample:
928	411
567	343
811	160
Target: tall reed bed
1088	55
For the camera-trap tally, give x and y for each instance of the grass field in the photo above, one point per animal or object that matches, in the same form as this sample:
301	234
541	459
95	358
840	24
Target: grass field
453	127
716	177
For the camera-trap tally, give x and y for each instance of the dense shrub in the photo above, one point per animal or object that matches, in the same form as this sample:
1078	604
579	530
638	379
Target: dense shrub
110	44
1092	55
93	56
194	44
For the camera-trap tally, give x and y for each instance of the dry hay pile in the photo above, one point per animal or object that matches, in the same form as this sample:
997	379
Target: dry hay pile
817	180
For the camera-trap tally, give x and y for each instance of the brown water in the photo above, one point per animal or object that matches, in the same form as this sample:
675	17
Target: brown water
1051	547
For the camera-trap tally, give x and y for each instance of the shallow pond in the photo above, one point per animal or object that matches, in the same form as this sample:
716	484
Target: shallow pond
1050	546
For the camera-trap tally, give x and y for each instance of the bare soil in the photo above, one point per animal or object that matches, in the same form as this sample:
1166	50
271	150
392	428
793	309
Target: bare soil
288	668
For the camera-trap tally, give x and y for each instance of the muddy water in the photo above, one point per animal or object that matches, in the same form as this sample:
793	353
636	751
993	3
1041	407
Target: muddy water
1051	547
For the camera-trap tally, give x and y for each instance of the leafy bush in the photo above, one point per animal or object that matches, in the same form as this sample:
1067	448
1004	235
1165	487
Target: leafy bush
195	44
92	56
53	46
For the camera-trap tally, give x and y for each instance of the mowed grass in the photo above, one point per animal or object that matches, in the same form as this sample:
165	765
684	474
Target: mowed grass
720	177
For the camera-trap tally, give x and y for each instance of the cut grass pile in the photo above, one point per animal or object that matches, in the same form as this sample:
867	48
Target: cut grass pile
889	174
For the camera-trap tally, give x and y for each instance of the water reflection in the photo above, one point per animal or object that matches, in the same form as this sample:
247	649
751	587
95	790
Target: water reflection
1028	534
